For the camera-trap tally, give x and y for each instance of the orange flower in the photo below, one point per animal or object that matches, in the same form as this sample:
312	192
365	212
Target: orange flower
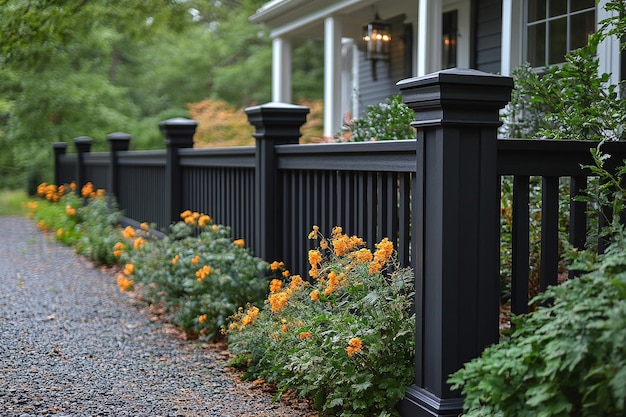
87	190
129	269
314	233
203	272
71	211
296	282
315	257
278	301
239	243
354	346
285	273
145	226
73	186
138	243
129	232
305	335
185	214
202	318
195	259
275	285
175	259
124	283
315	295
275	266
203	220
284	328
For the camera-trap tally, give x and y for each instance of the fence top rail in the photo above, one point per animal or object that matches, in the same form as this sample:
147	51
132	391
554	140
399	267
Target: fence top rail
557	158
389	156
231	157
142	158
96	158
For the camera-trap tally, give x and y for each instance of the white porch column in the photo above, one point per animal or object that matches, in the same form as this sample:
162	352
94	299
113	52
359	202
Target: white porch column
609	49
428	36
512	34
281	70
332	76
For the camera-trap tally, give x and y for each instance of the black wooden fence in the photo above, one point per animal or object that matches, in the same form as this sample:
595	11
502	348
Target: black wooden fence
436	197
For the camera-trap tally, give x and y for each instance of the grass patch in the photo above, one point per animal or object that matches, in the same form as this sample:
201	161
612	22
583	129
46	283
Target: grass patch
12	202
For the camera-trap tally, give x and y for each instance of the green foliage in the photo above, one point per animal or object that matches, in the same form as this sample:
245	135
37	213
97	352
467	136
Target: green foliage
565	359
346	340
385	121
77	68
99	229
12	202
197	272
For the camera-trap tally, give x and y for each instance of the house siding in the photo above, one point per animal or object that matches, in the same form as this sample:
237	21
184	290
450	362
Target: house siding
488	35
388	73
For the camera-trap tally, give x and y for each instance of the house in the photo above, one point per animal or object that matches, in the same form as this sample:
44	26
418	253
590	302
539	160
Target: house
493	36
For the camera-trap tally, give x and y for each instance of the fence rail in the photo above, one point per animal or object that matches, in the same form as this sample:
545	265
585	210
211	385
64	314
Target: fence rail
436	197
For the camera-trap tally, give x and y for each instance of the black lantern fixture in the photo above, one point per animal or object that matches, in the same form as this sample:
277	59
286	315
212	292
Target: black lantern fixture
377	37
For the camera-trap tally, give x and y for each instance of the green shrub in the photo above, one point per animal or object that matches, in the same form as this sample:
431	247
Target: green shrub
385	121
568	358
346	340
197	272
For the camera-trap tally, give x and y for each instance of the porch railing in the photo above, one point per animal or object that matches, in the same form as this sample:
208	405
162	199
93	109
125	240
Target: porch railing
436	197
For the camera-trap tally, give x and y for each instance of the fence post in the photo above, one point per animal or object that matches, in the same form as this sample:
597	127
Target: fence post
83	146
60	148
275	124
456	228
178	134
118	142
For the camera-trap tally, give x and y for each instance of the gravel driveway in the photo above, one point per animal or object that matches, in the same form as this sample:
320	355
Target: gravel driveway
72	345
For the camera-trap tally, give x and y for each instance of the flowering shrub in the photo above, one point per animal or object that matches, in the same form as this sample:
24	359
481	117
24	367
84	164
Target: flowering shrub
385	121
197	272
345	339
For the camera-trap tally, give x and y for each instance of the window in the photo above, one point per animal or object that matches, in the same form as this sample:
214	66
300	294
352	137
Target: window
555	27
449	41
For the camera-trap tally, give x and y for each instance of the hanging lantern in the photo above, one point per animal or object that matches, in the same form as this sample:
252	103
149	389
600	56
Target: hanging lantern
377	38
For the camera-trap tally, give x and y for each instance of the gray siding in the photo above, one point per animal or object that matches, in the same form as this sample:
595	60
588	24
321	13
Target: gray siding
488	35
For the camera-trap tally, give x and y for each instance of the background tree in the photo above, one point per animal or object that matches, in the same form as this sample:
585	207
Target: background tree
88	68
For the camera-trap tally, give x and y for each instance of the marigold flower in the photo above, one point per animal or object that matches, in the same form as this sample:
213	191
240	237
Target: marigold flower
71	211
275	266
202	318
315	257
42	225
337	230
232	326
362	255
275	285
285	273
73	186
284	328
203	272
87	190
129	232
129	269
253	312
32	205
203	220
314	233
175	259
240	243
305	335
315	295
190	220
185	214
144	226
278	301
354	346
100	193
138	243
215	228
314	272
59	232
195	259
296	282
324	244
124	283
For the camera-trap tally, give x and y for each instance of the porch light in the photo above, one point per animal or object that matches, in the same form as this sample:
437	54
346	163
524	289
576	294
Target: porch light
377	38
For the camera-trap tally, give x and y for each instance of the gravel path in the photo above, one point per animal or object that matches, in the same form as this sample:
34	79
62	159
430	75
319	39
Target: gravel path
72	345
